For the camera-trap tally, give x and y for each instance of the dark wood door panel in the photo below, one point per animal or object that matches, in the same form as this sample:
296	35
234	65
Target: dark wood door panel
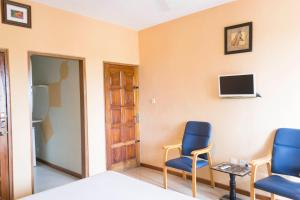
121	111
115	97
4	159
118	154
116	115
127	79
129	98
130	151
116	135
128	133
128	115
115	79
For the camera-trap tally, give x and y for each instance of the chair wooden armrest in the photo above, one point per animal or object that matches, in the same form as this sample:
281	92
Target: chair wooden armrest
195	154
254	165
167	148
198	152
175	146
261	161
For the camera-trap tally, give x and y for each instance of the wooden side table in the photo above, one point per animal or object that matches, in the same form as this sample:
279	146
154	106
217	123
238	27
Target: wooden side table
233	170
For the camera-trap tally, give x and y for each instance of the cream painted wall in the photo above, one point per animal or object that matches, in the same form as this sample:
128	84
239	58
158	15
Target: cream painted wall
62	146
180	63
59	32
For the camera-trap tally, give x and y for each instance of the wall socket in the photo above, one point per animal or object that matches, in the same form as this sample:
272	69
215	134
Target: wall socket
153	100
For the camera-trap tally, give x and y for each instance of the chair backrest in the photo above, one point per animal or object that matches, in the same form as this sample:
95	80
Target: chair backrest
196	136
286	152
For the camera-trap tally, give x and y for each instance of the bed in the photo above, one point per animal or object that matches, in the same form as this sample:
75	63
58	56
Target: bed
108	185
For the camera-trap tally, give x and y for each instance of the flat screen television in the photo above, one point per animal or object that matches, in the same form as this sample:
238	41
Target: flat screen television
239	85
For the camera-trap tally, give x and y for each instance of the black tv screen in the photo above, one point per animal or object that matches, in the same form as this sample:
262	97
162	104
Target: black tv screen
237	85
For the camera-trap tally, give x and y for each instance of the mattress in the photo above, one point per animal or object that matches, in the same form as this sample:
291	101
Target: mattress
108	185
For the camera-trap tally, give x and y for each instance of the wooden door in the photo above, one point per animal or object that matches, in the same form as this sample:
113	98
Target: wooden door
121	99
4	162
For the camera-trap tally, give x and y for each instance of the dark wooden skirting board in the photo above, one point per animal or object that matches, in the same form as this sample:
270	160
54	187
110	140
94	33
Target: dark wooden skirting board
66	171
205	181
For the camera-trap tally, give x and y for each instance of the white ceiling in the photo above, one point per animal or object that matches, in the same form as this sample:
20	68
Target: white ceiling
135	14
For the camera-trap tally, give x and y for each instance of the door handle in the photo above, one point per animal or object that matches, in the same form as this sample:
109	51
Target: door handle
3	115
3	124
137	141
3	132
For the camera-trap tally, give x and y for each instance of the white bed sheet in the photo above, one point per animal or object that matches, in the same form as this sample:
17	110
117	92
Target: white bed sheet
108	185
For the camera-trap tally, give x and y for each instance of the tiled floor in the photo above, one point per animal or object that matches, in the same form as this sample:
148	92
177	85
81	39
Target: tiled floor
178	184
46	178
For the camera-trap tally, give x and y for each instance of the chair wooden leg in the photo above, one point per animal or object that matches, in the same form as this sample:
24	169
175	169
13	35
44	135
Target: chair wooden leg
252	181
165	177
252	193
184	175
272	196
212	181
269	168
194	183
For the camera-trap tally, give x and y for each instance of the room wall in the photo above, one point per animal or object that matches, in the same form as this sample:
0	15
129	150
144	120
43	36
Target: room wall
59	32
180	63
58	136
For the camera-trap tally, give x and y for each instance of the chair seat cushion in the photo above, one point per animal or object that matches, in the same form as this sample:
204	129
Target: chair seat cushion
185	163
280	186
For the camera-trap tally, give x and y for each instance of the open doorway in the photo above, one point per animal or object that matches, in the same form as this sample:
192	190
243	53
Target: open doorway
57	89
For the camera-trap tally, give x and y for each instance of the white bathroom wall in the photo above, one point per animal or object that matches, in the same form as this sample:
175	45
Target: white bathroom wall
40	101
58	137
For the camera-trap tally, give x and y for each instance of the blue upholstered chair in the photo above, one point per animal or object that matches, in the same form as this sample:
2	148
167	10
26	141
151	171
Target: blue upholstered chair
285	160
194	152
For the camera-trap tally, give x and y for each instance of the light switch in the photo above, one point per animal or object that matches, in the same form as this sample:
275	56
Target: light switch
153	100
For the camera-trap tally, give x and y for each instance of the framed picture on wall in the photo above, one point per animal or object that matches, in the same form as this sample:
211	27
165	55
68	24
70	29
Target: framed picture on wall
238	38
17	14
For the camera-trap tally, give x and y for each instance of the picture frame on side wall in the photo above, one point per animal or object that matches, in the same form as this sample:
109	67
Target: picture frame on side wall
238	38
14	13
